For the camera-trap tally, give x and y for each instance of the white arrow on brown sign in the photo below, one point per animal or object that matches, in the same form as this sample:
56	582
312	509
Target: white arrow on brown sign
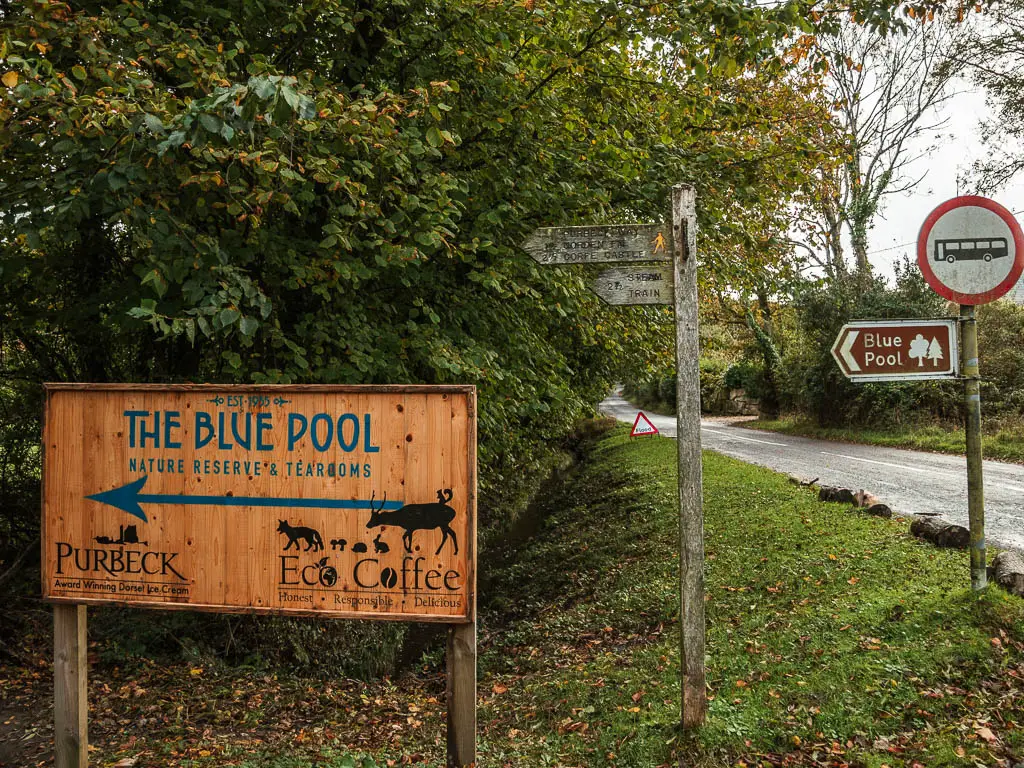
623	286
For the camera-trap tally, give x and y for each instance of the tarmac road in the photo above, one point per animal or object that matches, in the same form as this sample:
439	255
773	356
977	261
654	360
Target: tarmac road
910	482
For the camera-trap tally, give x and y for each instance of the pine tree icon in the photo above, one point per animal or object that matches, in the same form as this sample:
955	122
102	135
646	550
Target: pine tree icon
935	352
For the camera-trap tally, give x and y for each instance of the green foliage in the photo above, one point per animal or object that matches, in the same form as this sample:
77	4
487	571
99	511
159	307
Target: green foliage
810	382
312	647
335	193
1001	351
742	375
713	390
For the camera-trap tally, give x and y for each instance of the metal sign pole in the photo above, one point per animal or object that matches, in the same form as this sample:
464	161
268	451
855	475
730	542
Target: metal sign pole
691	513
972	429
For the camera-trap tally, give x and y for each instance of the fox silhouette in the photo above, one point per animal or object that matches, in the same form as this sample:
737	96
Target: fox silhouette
418	517
295	532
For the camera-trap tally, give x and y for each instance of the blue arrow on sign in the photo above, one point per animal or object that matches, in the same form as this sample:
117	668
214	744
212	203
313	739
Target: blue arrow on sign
128	499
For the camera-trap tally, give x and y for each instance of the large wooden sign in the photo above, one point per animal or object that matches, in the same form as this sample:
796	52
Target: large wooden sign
594	245
338	501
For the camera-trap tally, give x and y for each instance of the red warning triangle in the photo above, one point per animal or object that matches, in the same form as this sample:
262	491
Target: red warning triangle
643	426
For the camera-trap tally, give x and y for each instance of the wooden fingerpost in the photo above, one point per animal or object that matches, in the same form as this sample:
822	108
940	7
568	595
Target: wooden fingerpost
691	514
70	703
461	658
972	431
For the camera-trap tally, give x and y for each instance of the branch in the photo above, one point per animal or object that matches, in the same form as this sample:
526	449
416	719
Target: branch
11	572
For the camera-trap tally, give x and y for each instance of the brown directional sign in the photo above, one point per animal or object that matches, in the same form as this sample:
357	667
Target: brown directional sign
635	285
337	501
897	350
594	245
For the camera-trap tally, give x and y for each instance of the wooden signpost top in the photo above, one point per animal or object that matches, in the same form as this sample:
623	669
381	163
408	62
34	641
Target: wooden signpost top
352	502
594	245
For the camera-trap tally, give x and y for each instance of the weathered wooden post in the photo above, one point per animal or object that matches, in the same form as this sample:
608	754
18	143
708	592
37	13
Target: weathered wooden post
972	431
691	511
646	283
70	700
461	661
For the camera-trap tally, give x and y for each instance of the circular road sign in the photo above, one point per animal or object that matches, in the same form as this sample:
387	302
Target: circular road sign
971	250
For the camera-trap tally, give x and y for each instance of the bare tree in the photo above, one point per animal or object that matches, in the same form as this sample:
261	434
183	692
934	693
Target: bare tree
993	56
885	91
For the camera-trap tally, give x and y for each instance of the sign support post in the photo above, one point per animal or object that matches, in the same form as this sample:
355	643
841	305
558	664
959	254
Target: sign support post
691	513
971	251
643	283
460	657
70	699
972	430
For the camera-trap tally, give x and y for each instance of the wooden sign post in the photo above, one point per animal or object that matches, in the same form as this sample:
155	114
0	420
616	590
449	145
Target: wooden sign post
657	284
346	502
691	502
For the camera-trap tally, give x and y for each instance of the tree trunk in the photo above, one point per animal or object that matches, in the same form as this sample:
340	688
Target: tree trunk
1009	572
940	532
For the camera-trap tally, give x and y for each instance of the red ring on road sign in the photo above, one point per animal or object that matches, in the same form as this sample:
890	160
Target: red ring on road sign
971	298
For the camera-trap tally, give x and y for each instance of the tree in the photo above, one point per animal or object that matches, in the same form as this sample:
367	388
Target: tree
991	55
885	90
336	192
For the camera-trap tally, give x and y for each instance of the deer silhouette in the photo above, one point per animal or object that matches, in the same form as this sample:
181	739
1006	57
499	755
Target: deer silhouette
417	517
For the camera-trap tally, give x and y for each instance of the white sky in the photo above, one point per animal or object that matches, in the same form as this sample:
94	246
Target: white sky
895	231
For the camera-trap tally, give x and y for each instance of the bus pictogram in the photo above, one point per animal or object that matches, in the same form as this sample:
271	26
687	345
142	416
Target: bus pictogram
969	249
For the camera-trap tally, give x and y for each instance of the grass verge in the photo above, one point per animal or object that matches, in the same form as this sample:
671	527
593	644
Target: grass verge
1004	444
834	639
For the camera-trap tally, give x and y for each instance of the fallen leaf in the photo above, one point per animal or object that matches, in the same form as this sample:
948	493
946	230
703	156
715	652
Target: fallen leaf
987	735
10	79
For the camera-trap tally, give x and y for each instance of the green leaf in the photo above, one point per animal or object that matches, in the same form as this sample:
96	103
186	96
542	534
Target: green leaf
291	98
210	123
78	72
249	326
434	137
227	316
154	123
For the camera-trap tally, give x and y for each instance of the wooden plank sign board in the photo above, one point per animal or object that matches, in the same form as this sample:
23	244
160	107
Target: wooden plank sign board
635	285
354	502
594	245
